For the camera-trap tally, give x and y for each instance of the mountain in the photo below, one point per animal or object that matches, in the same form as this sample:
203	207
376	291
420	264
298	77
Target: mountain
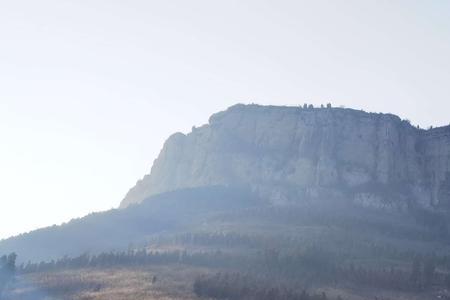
314	174
269	199
292	154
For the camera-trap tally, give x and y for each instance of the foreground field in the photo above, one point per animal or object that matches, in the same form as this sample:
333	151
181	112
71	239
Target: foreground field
172	282
107	284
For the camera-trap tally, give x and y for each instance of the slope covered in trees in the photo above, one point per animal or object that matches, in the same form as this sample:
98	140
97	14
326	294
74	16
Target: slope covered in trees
116	229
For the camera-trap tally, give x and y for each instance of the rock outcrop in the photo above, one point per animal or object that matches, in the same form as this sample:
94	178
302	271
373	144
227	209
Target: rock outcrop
289	154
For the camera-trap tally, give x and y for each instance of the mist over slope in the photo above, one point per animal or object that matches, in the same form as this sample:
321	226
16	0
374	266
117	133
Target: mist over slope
116	230
290	154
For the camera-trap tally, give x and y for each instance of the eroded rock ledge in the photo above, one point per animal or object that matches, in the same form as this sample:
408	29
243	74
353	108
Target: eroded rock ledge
289	154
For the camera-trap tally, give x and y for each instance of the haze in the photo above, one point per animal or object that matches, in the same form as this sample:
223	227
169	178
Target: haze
89	90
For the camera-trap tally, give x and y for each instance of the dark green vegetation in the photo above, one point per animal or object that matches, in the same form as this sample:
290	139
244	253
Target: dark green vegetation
7	270
249	249
236	286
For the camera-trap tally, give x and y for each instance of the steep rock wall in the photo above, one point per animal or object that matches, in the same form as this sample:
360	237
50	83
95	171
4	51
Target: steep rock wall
289	154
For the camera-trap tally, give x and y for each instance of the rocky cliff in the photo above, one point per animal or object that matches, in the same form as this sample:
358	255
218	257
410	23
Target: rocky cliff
289	154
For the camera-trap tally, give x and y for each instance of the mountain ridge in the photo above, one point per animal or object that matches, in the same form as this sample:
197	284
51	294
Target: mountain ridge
290	153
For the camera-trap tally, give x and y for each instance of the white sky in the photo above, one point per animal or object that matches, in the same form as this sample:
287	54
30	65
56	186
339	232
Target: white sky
89	90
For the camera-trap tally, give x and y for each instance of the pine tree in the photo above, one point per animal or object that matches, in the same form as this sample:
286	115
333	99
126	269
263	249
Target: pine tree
416	275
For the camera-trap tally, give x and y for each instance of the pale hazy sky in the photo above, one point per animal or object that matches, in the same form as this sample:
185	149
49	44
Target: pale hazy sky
89	90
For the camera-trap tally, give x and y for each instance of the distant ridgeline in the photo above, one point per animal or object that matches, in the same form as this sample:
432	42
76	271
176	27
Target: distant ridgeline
292	154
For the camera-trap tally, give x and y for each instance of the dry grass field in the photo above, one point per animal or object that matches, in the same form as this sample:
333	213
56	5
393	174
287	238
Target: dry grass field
174	282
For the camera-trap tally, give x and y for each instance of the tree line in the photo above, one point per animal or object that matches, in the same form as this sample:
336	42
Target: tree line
235	286
7	269
136	258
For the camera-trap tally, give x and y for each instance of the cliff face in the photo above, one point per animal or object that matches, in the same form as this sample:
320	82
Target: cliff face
289	154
